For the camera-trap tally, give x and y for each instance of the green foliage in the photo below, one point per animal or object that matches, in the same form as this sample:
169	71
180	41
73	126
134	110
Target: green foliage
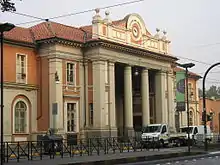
212	92
7	5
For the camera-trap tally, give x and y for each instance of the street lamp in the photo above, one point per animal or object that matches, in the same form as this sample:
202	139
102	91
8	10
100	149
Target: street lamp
3	28
186	67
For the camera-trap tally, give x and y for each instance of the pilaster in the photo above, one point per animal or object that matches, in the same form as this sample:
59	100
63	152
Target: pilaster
56	93
99	94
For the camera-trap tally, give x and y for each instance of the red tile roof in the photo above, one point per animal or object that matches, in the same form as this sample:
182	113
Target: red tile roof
20	34
50	29
176	69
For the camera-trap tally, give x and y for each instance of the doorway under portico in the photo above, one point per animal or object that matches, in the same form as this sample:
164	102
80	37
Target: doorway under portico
135	96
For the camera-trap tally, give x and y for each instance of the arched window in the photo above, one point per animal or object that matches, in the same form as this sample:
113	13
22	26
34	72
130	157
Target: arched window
20	117
190	118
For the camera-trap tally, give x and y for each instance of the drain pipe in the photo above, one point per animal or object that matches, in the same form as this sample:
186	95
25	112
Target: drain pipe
84	75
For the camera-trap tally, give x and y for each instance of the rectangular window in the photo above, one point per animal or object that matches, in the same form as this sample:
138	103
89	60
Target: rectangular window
21	68
71	117
91	114
70	73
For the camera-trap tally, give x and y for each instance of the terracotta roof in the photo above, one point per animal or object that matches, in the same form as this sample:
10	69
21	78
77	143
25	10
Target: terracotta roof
50	29
20	34
176	69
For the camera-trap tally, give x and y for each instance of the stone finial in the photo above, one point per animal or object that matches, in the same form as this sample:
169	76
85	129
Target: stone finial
97	10
97	16
157	35
164	35
107	18
107	13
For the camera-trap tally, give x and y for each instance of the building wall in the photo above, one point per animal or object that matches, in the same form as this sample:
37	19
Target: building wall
214	106
11	97
15	91
193	105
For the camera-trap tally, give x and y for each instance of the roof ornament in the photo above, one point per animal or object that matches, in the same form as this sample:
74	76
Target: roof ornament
107	18
157	35
164	35
97	17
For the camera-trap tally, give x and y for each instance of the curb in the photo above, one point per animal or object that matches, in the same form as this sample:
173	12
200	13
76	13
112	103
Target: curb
150	159
202	155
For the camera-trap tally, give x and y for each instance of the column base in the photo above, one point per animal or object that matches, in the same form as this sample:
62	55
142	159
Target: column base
129	132
92	133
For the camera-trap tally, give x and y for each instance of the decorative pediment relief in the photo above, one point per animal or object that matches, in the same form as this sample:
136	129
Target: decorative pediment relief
130	31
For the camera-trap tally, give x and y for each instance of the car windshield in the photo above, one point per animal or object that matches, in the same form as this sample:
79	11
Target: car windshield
151	129
185	129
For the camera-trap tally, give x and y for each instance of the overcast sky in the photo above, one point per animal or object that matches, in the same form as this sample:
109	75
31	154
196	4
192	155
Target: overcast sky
192	25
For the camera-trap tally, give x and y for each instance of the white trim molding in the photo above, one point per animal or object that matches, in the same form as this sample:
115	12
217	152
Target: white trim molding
27	128
25	65
77	116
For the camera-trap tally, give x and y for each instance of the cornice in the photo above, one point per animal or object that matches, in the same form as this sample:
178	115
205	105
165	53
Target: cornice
19	43
76	44
13	85
130	49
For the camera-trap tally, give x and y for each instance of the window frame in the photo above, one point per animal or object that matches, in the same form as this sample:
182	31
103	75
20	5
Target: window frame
75	116
26	68
74	78
27	128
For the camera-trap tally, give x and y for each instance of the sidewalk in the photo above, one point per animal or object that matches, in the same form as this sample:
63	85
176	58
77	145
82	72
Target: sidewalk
102	157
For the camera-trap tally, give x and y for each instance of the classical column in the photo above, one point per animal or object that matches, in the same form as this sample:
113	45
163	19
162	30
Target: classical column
128	101
161	94
112	94
170	101
99	94
112	112
145	97
56	93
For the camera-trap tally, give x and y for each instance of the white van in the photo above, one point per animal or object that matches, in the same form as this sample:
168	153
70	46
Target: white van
197	132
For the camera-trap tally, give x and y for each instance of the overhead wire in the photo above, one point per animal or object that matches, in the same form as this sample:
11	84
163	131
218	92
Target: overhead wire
71	14
111	6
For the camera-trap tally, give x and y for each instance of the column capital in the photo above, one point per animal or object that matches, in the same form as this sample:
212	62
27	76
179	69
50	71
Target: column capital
144	70
96	62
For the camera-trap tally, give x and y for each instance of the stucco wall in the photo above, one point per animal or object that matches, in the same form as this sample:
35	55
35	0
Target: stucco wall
9	98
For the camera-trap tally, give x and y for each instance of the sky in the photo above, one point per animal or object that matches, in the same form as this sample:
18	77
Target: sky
191	25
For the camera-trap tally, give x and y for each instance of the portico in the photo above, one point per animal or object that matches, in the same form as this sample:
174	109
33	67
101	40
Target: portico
132	83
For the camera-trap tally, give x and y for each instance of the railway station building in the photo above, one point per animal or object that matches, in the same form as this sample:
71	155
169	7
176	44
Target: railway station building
104	79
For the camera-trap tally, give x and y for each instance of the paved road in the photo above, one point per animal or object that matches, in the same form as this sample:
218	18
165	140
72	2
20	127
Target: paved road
206	160
215	160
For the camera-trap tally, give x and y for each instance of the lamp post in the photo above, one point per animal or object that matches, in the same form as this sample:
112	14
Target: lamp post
3	28
186	67
204	114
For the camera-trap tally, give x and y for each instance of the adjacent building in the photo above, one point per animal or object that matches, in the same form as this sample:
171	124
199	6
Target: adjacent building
213	109
193	95
104	79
